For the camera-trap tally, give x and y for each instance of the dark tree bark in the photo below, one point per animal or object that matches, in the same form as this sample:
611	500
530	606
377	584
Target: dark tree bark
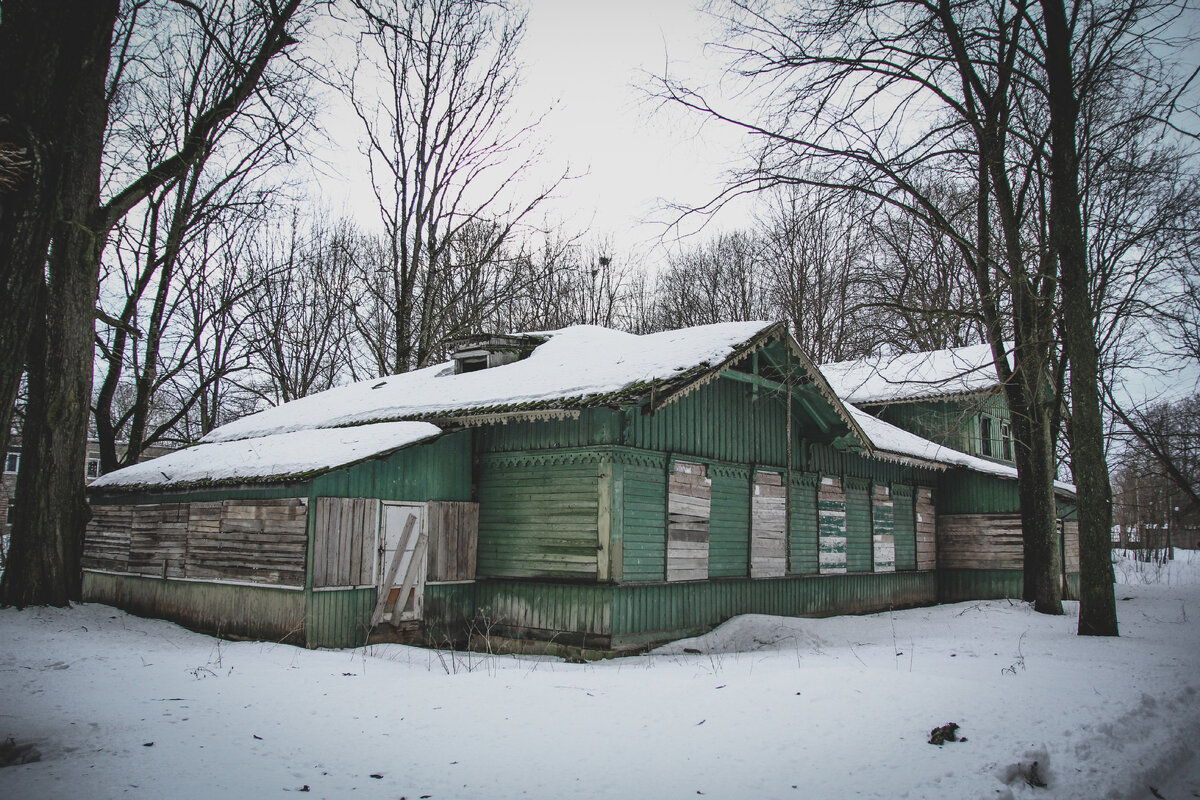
1097	605
63	48
55	61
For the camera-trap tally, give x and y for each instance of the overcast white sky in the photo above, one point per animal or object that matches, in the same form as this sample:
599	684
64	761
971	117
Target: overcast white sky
588	62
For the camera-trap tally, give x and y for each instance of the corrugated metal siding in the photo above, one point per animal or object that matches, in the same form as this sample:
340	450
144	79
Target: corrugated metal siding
538	515
660	611
644	517
255	612
904	528
729	525
858	527
802	529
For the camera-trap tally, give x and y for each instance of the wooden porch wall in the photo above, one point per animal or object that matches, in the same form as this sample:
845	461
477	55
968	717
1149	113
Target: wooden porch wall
260	541
453	541
689	509
1071	546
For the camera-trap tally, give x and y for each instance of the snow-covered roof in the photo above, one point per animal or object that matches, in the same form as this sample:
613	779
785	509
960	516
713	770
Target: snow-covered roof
913	376
578	366
890	441
282	455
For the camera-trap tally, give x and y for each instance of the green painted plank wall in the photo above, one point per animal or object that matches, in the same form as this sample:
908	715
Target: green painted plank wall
957	585
859	541
538	515
340	617
964	492
802	527
644	500
904	527
440	470
729	525
592	426
720	420
538	608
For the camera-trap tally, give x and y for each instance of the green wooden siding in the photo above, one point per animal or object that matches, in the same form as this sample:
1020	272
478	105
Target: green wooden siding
802	528
859	542
729	525
903	525
340	617
720	420
538	515
644	515
544	610
963	492
592	426
656	612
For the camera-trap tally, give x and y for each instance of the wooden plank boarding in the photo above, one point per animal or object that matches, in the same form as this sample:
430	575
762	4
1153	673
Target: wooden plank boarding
883	532
385	588
831	526
768	526
926	526
689	510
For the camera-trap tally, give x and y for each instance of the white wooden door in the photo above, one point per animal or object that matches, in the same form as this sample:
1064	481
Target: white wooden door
405	592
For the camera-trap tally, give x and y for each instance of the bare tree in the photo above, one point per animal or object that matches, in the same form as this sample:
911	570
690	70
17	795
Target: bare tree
298	317
62	54
814	251
719	280
445	155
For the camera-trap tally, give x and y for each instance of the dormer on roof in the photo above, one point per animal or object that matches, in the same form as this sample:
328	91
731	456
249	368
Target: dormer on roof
487	350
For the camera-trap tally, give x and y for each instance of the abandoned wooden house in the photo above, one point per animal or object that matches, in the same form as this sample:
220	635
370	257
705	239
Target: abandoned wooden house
581	488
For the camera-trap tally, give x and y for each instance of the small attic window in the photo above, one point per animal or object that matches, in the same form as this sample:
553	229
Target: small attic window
471	364
491	350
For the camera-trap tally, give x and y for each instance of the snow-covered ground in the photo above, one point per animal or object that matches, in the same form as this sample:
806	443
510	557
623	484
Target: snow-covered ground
764	707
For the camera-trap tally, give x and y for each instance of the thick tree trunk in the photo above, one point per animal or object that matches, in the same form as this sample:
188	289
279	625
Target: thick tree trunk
1097	605
71	42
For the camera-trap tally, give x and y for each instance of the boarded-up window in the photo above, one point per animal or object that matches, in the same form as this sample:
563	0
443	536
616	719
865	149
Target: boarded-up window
980	541
453	537
158	540
926	529
261	541
106	543
689	508
345	541
883	520
768	543
831	509
1070	534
